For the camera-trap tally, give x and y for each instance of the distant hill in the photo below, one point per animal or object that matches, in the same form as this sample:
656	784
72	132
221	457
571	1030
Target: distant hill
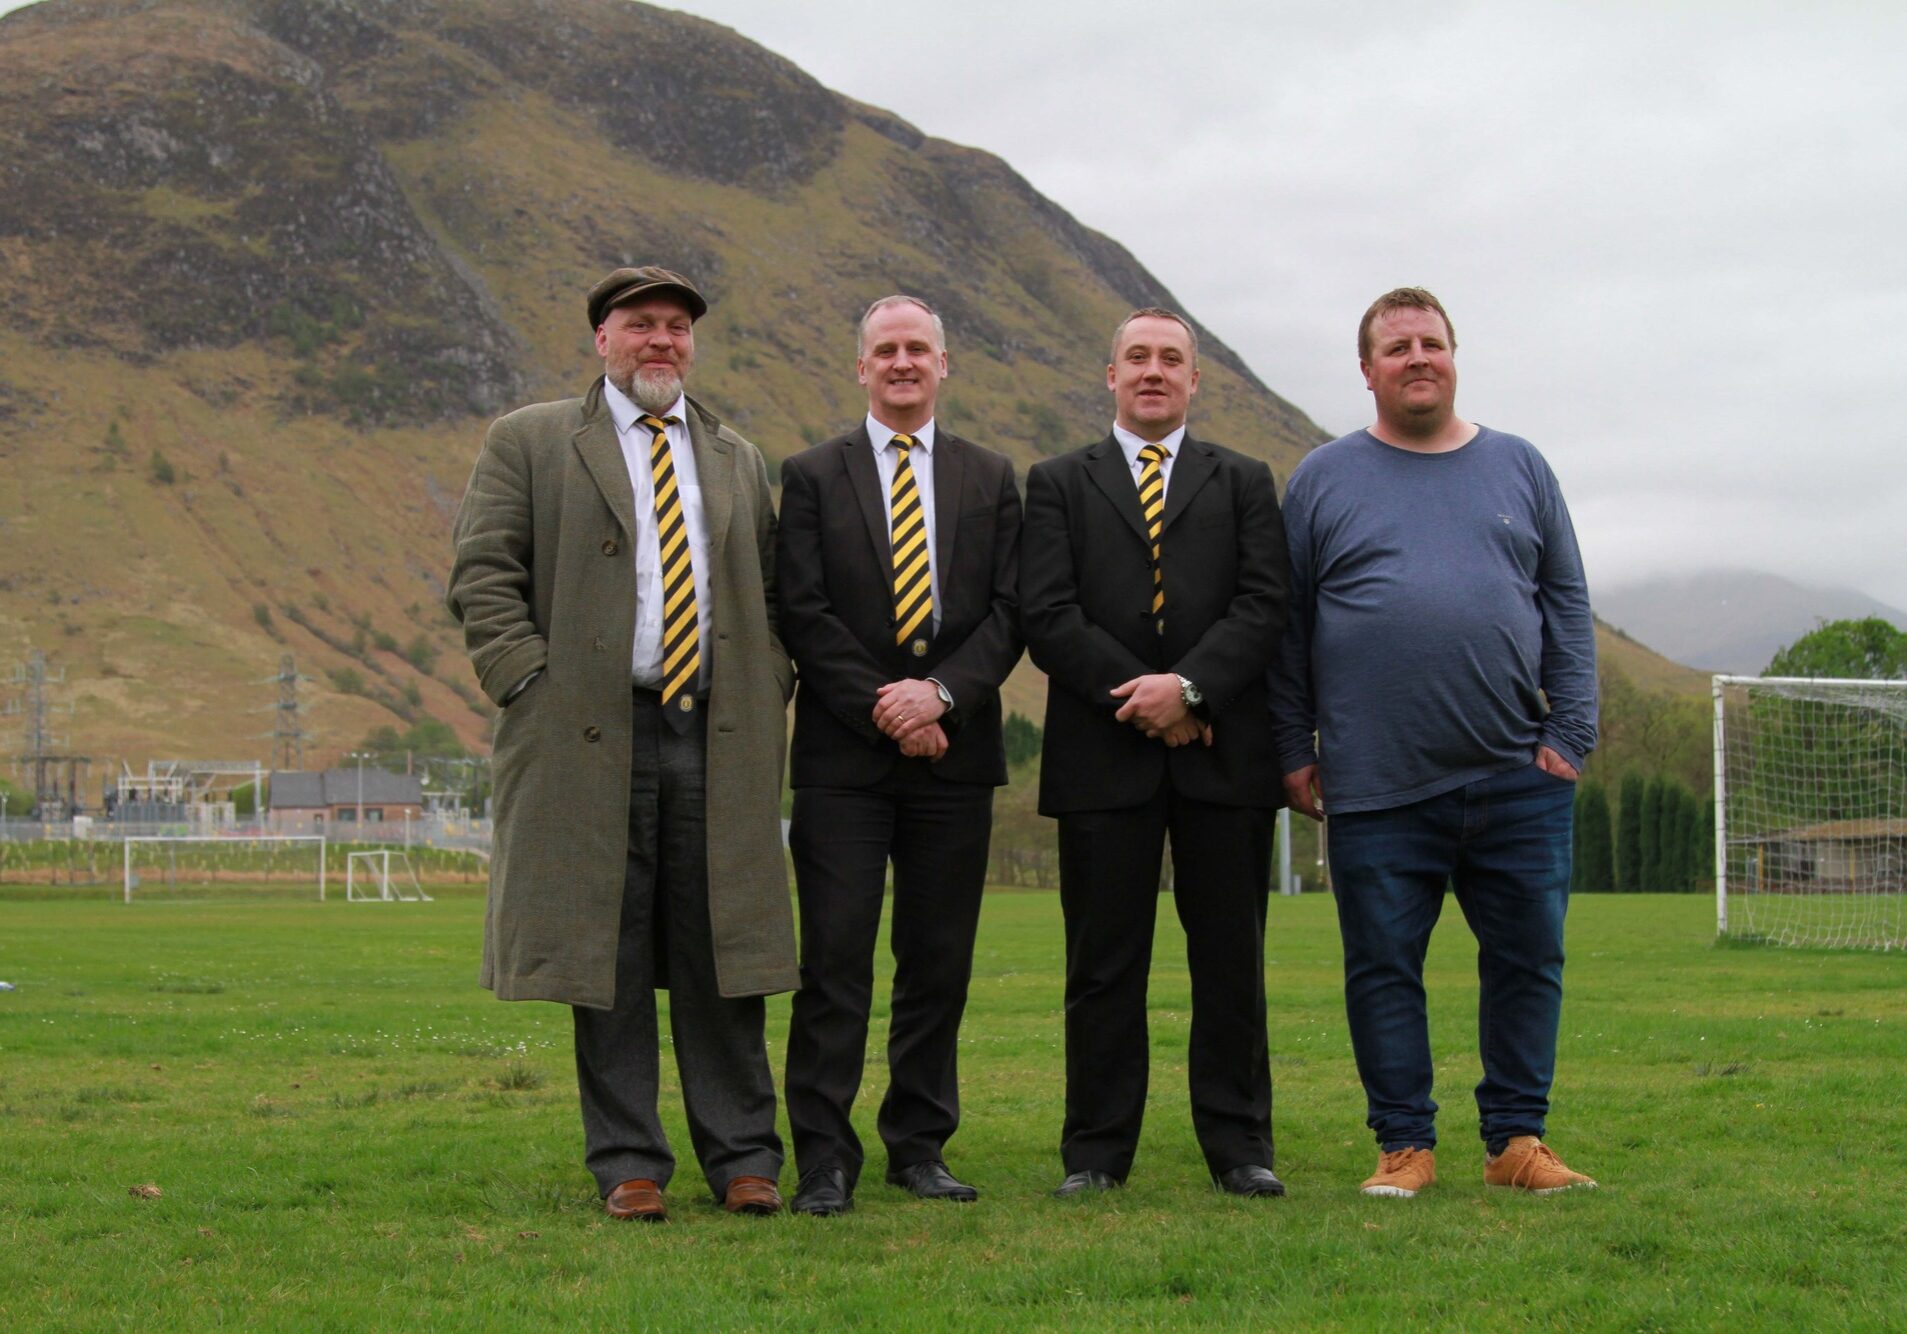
268	266
1646	669
1730	620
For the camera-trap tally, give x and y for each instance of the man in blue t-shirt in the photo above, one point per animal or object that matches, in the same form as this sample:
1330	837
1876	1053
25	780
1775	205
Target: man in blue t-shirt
1440	650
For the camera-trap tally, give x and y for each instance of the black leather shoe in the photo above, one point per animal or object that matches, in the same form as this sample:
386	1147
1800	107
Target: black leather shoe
1249	1180
931	1181
1088	1182
823	1193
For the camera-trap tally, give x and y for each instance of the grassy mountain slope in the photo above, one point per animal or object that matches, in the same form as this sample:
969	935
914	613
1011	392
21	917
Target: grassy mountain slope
292	256
1646	669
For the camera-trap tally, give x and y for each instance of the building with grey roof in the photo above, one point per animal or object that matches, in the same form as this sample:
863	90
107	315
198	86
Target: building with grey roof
329	801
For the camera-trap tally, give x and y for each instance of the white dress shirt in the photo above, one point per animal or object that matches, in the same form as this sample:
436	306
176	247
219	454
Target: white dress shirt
645	668
921	460
1132	444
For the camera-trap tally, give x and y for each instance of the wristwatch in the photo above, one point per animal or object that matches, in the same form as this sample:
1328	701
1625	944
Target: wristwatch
1191	696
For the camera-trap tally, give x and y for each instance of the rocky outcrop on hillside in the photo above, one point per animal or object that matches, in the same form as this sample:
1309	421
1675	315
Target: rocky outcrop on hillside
206	173
183	180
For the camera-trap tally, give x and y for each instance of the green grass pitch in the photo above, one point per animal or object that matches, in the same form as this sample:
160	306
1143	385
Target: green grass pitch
345	1132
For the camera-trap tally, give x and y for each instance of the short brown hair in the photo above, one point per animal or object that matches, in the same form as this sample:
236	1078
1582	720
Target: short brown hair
1158	313
898	299
1401	298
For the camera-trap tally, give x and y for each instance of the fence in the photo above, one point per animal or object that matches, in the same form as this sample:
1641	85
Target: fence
86	851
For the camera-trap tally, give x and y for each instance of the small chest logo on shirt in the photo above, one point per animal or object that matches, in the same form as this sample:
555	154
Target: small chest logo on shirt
1506	520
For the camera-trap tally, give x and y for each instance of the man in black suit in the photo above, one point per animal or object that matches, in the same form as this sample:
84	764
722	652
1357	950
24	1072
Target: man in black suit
897	559
1152	588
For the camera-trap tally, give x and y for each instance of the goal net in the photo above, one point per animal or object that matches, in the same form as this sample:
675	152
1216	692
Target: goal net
383	875
1811	811
202	865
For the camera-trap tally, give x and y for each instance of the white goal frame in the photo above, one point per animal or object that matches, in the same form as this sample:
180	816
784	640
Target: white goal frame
172	839
377	871
1885	828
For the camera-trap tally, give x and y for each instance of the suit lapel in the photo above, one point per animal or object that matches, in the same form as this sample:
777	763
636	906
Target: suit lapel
857	458
715	473
1106	465
949	467
1190	471
596	443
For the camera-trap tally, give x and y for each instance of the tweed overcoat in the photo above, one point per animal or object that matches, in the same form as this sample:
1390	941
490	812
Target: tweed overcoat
544	581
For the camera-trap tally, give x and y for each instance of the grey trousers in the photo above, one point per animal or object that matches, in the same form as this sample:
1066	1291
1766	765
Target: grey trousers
719	1046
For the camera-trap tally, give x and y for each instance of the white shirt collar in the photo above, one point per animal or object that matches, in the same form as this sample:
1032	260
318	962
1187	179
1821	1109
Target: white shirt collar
1132	444
623	410
881	435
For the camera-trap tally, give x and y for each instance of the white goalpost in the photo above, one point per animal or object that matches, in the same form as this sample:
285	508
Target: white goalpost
171	862
1811	811
382	875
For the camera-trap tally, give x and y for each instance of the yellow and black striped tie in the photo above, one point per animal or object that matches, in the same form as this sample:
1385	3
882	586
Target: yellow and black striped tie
1152	503
681	650
913	576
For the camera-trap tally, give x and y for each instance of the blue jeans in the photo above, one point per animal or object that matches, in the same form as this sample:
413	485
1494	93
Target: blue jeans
1503	844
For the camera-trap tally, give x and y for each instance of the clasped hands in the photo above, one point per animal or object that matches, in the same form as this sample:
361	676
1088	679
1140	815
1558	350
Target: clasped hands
1155	705
909	712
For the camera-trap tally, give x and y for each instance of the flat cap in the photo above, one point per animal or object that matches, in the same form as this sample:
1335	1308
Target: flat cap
628	284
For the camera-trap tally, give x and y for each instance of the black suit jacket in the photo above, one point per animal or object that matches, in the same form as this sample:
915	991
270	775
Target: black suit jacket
1085	601
837	607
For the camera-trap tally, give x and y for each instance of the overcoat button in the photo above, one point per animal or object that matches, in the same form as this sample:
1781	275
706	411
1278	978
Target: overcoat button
592	733
609	546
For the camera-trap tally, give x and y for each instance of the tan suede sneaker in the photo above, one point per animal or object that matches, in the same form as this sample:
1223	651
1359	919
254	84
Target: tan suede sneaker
1527	1163
1402	1173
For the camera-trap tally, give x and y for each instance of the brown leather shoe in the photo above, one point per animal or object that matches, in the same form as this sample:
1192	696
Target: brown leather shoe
639	1199
752	1195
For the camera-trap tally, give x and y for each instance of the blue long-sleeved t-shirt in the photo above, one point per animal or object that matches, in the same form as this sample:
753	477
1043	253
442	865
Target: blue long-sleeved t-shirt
1432	597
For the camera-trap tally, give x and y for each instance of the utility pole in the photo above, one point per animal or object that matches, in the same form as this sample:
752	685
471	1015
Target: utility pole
287	736
360	756
40	748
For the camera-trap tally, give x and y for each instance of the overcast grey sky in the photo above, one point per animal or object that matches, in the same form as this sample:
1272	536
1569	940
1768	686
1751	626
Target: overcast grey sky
1668	233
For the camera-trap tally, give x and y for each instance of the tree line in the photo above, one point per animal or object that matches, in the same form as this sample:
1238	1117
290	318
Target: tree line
1659	838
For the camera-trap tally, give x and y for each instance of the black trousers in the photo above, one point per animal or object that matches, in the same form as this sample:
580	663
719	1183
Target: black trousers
935	833
720	1050
1109	863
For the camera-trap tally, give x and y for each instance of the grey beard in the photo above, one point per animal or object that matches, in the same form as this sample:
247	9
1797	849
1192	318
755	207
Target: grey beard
653	391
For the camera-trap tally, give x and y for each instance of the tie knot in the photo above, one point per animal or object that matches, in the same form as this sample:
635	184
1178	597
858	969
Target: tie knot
904	442
1154	453
659	425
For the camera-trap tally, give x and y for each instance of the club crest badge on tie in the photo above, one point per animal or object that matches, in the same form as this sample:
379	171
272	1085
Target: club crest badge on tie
686	704
1161	625
918	648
